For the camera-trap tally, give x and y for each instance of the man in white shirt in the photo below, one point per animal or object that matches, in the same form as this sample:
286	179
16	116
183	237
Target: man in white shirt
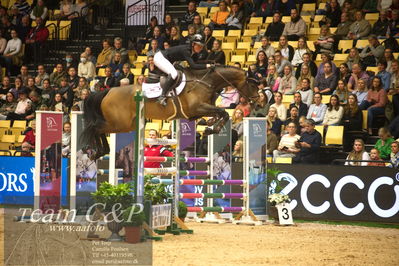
12	52
317	110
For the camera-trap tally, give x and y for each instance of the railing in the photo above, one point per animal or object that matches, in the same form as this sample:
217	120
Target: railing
139	10
343	161
40	50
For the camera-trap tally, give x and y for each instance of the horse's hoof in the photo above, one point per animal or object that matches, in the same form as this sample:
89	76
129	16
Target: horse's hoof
208	131
210	122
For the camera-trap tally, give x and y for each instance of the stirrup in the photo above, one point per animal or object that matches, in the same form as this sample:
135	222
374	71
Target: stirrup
162	100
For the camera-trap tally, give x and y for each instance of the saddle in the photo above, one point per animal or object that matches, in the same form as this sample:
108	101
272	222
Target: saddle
155	83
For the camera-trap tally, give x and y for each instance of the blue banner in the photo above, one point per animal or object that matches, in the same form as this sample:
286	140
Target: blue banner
16	180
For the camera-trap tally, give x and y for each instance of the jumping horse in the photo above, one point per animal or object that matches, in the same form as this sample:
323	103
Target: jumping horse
114	110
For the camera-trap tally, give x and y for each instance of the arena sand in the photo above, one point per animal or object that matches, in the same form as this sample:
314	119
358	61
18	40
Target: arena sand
303	244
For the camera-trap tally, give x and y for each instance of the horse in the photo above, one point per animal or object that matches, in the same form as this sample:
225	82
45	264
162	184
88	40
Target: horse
114	110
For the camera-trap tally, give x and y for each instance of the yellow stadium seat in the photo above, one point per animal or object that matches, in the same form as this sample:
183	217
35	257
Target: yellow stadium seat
294	44
238	59
201	129
256	20
151	125
365	114
233	35
268	20
345	45
283	160
230	112
288	98
334	135
250	33
214	9
141	58
251	59
286	19
373	69
5	123
325	99
228	46
269	159
372	16
64	28
311	45
136	71
322	6
307	19
7	142
51	29
206	22
340	58
274	45
333	29
19	124
218	34
165	128
313	34
320	129
202	10
185	32
244	45
362	43
101	72
318	18
309	7
146	47
257	45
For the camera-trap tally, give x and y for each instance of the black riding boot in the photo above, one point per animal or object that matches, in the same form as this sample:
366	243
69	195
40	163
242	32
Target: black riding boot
166	85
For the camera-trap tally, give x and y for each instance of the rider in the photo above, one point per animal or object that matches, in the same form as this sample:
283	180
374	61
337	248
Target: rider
164	61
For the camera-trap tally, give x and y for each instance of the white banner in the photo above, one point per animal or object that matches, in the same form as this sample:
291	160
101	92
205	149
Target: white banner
161	215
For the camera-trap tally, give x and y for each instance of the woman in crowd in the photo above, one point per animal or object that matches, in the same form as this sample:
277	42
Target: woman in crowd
273	80
262	106
305	74
358	154
276	123
342	92
209	39
353	57
288	82
126	74
229	98
237	122
375	102
306	91
271	139
293	118
261	65
352	121
17	87
105	56
334	112
326	82
89	55
175	36
389	58
383	145
244	106
344	72
286	147
217	55
325	42
58	105
375	156
238	151
325	58
197	23
300	51
280	107
8	106
287	51
82	85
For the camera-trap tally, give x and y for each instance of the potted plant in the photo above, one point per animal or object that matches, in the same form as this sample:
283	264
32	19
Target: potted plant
156	193
113	199
182	210
133	218
275	196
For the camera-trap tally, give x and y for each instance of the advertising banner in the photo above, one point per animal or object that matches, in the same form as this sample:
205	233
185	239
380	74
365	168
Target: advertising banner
342	192
124	158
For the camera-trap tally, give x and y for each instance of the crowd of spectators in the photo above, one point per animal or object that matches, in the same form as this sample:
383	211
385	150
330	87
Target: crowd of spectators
282	70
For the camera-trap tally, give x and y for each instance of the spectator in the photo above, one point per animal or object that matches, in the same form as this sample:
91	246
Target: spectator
285	6
237	122
35	40
383	145
77	91
66	93
271	139
306	91
372	53
375	103
262	106
140	80
40	10
384	75
380	28
273	80
25	150
274	121
108	81
66	139
333	14
280	62
394	88
217	55
15	16
287	51
229	98
280	107
302	107
3	44
9	106
389	58
293	118
23	7
150	29
119	49
84	93
357	74
361	91
190	35
105	56
57	75
317	110
343	27
24	75
235	19
30	136
325	58
58	105
305	74
188	17
47	91
264	87
358	154
66	8
158	36
300	51
394	154
12	55
218	20
175	37
208	3
352	118
237	155
288	82
341	92
116	65
353	58
286	148
375	156
276	28
31	85
371	6
72	78
327	81
295	28
266	47
360	28
89	55
168	23
334	112
261	65
306	60
309	144
5	87
24	28
23	107
37	103
7	27
86	68
245	106
209	39
263	8
344	73
126	74
41	75
394	23
325	42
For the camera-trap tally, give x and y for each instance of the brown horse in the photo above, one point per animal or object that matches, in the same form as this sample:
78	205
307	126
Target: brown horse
114	110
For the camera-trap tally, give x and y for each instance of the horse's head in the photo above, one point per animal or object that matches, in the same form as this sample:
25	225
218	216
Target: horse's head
250	90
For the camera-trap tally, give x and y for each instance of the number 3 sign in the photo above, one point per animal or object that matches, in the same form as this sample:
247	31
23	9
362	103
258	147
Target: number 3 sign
284	213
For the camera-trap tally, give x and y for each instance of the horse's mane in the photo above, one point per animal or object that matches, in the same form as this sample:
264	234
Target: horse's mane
203	71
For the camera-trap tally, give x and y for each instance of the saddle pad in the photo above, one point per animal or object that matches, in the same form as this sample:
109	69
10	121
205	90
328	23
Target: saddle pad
154	90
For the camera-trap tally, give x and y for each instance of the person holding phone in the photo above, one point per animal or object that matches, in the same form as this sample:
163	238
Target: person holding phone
286	147
309	144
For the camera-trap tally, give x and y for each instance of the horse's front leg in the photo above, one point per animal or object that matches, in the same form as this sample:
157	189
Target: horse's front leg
218	120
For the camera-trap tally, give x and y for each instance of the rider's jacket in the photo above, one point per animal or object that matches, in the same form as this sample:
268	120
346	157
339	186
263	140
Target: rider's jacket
182	53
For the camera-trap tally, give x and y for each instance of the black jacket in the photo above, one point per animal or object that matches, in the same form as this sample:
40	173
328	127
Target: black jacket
182	53
312	66
302	110
217	57
274	31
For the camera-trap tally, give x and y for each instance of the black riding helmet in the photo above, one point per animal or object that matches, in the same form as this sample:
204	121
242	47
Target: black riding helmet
198	39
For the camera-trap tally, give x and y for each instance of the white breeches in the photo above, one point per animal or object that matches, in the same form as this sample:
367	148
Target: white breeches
164	65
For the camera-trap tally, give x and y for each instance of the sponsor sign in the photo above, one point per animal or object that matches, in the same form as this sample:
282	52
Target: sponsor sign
161	215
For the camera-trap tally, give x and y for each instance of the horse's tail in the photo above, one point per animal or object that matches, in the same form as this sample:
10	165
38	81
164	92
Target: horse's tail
93	118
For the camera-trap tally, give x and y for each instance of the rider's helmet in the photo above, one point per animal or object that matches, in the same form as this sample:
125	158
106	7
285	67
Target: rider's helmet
198	39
